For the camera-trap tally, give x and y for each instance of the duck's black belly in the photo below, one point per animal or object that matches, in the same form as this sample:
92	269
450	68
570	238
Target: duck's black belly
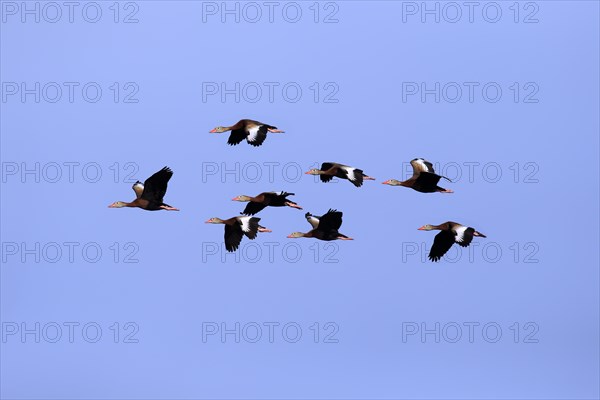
425	188
153	206
426	182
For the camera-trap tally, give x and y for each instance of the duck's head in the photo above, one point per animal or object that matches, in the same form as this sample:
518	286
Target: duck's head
214	221
426	227
241	198
392	182
313	171
118	204
218	129
296	235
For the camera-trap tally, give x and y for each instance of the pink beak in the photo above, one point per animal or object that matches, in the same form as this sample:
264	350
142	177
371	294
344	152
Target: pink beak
207	222
234	199
385	182
307	173
213	131
421	229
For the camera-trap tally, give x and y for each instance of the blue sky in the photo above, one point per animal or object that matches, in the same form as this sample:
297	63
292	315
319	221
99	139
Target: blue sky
142	293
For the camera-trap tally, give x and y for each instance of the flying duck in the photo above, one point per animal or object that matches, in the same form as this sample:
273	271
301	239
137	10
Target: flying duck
329	170
424	178
324	227
236	228
149	195
273	199
254	132
451	232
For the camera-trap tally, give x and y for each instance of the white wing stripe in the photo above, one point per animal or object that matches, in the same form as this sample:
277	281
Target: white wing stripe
421	162
313	221
350	171
460	234
245	223
253	134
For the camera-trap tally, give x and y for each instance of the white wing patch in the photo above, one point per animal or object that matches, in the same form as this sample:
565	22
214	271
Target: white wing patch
314	221
253	133
138	188
351	173
245	223
423	165
460	234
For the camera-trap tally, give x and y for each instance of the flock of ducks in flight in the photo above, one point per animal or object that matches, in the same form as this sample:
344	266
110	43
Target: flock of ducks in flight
150	194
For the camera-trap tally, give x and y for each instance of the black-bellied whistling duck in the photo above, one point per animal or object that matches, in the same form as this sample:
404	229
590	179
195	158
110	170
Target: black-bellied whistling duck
326	227
424	178
273	199
329	170
254	132
451	232
236	228
149	195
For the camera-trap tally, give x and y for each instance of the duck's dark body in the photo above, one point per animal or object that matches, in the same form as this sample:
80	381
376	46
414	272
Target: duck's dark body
424	179
150	194
234	232
450	233
254	132
328	225
267	199
355	175
426	182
